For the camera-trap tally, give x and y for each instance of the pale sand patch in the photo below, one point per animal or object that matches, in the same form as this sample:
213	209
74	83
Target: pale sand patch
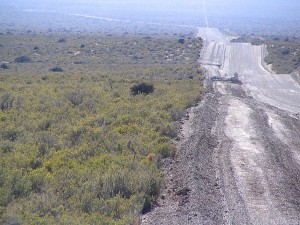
246	155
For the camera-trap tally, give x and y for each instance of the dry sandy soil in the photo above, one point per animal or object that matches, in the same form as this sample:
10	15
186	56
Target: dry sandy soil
238	156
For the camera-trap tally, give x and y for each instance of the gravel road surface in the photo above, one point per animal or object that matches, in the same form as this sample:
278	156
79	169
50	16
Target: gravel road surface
238	155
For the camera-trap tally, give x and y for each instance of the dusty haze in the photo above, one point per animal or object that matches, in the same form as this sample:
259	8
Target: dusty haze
237	16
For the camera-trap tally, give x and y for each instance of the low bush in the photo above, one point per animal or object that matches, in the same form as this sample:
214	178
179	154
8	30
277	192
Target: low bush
285	52
56	69
76	98
181	40
169	130
23	59
7	101
4	66
142	88
6	146
61	40
166	150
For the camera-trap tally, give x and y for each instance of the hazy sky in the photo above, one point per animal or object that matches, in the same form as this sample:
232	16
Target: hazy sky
258	8
180	12
263	8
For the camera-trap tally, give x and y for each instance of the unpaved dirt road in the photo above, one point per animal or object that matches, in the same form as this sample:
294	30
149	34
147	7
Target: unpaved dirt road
238	157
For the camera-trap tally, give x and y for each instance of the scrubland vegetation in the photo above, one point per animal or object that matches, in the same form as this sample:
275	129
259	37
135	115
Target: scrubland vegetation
284	55
75	135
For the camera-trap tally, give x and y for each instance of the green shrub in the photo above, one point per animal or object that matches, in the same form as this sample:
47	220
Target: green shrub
4	66
181	40
35	163
3	217
76	98
7	146
56	69
285	52
166	150
21	186
75	136
169	130
7	101
11	134
37	179
61	40
177	114
147	206
45	125
23	59
142	88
